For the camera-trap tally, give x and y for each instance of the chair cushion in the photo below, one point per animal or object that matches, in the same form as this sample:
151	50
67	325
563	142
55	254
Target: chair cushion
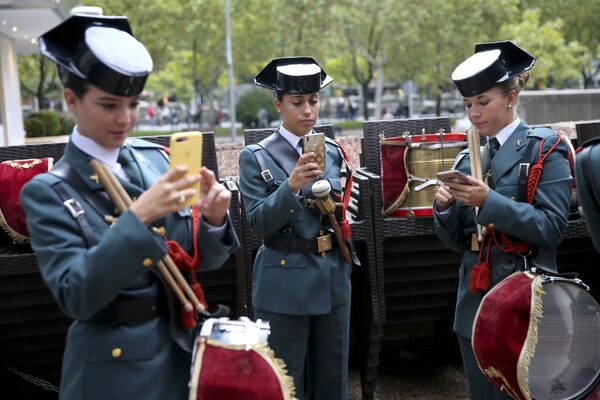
14	174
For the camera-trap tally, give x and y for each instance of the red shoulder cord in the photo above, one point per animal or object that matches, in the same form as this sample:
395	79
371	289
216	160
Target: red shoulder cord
346	230
480	275
191	264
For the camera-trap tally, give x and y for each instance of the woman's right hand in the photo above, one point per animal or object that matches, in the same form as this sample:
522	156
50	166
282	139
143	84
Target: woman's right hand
305	171
166	195
443	198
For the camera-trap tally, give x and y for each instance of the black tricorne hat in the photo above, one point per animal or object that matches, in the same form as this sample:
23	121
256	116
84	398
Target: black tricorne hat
100	50
294	75
492	63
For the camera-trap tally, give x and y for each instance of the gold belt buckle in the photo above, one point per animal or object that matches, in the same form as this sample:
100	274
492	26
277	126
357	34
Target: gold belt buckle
324	244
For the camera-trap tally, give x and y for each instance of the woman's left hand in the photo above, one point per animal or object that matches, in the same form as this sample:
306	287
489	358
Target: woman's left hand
214	198
473	195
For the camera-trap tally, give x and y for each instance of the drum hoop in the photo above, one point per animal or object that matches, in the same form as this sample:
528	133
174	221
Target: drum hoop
549	279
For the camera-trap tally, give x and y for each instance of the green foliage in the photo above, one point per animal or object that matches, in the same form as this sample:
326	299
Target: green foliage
250	102
67	122
557	59
43	123
418	40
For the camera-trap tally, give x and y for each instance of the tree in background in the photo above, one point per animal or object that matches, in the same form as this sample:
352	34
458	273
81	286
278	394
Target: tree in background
558	60
352	39
580	26
249	105
38	78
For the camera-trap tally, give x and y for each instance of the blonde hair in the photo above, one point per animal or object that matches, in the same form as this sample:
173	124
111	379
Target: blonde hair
516	83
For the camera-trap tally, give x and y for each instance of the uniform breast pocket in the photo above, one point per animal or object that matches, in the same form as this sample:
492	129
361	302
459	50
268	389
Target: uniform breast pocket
511	190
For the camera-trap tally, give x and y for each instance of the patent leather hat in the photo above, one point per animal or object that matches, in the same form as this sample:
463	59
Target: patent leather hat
492	63
294	75
101	50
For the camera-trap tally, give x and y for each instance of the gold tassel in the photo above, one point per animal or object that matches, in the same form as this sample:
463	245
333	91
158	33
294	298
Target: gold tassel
16	236
278	365
530	345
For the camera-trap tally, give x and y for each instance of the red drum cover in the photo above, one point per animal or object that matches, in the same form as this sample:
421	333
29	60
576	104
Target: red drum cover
238	372
505	332
393	172
14	174
536	337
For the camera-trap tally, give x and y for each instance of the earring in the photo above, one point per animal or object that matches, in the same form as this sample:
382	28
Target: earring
510	105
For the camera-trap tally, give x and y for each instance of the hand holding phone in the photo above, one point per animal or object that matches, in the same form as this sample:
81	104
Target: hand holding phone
315	143
453	176
186	149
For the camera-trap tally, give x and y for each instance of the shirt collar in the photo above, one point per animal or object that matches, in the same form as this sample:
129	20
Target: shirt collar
290	137
103	154
505	132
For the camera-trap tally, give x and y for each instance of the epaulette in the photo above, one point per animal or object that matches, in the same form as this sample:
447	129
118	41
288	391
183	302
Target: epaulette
459	157
541	133
137	143
331	141
49	179
254	147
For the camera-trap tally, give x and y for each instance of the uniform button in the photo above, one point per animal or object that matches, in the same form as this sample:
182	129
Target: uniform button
292	210
282	262
147	262
160	230
512	197
116	352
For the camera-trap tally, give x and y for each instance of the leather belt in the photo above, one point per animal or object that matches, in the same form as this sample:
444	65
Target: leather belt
127	310
319	244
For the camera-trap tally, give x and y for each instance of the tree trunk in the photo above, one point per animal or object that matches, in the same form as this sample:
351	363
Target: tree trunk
365	95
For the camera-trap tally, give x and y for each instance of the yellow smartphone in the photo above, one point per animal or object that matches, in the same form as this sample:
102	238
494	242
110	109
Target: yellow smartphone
315	142
186	149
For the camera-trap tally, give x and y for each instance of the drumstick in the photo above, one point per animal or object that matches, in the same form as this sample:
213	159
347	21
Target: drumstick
122	200
475	159
170	269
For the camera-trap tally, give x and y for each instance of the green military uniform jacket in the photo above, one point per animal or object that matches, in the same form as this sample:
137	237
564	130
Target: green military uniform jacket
588	190
294	283
542	223
149	359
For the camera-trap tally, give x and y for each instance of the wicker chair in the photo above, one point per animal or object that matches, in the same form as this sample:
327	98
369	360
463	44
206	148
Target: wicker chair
32	328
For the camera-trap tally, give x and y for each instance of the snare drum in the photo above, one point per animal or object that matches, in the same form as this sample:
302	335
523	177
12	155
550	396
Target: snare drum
409	167
232	360
538	337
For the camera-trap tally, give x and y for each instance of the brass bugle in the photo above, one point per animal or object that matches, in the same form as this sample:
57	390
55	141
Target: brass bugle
166	266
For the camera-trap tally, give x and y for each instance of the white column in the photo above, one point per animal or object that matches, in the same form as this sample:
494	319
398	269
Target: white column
11	115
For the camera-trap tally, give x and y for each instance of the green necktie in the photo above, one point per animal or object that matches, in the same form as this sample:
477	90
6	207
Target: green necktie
494	147
130	166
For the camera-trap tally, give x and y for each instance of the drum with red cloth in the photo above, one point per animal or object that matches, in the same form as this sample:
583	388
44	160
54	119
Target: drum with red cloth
409	167
537	336
233	361
14	174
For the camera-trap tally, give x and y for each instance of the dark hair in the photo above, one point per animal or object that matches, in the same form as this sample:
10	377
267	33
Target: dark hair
279	95
71	81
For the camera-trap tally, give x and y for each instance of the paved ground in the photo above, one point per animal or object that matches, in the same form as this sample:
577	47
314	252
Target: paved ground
428	371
